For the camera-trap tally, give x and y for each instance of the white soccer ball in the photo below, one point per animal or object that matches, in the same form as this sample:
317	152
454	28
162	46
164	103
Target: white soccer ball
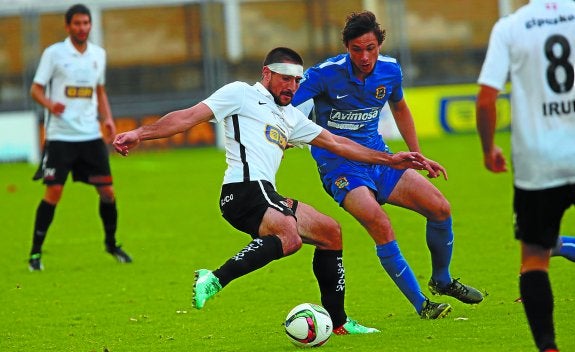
308	325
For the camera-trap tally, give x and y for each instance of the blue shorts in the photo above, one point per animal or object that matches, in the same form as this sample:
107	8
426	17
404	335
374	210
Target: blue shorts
340	178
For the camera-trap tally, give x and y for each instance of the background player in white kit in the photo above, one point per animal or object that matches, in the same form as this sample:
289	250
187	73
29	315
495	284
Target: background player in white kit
260	123
536	47
69	83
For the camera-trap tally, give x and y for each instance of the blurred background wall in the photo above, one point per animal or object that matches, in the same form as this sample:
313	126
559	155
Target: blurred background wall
166	55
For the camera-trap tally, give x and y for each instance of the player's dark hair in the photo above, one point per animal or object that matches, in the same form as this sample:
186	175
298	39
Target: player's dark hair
282	54
360	23
77	9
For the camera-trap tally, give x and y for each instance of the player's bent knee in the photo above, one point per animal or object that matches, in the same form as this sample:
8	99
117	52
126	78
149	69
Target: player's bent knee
442	212
333	229
106	194
53	194
330	243
291	244
534	264
331	237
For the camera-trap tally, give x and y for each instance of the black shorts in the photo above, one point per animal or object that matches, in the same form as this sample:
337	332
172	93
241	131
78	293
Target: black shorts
88	162
538	214
243	204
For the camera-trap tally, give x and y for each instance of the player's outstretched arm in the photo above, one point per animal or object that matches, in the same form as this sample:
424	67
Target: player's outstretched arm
351	150
169	125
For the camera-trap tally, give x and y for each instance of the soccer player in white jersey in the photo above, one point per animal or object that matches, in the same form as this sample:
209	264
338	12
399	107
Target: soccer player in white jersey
259	124
535	47
69	84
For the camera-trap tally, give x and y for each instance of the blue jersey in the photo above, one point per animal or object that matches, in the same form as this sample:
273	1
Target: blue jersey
346	106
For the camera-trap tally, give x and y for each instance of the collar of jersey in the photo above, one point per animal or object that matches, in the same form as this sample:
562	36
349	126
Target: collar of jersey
349	66
264	92
72	49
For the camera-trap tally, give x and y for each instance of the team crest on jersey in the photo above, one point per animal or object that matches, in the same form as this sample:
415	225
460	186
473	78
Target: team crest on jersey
341	182
380	92
274	135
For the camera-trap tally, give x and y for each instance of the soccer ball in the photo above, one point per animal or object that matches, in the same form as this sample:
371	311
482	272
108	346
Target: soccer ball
308	325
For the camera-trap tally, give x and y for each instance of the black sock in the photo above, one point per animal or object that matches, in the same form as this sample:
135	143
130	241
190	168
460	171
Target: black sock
44	216
330	275
109	216
537	300
255	255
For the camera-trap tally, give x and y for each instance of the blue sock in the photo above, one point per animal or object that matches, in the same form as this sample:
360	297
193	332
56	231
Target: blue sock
439	236
565	248
397	268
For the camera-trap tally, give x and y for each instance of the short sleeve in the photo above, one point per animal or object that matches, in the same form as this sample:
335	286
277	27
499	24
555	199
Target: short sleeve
305	130
397	91
45	68
495	69
102	78
227	100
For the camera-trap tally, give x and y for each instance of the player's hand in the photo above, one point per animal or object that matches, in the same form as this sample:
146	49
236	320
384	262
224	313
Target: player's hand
57	108
409	160
110	130
494	161
435	169
126	141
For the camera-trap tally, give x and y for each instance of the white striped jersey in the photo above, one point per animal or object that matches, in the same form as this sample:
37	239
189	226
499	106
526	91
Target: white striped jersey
257	130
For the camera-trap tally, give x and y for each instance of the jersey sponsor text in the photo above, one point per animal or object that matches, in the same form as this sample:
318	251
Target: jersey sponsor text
276	136
345	126
540	22
352	119
361	115
227	198
79	92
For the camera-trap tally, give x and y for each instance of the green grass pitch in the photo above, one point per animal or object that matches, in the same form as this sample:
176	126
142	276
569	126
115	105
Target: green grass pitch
169	221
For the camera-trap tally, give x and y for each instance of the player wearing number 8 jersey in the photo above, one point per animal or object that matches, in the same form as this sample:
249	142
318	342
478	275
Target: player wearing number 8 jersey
535	46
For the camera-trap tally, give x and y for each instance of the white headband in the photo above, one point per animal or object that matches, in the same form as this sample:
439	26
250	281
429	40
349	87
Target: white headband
284	68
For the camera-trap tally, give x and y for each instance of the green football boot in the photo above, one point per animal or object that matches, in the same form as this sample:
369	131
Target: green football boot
206	285
352	327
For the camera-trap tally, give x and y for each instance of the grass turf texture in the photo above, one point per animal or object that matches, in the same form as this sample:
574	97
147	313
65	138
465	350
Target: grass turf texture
169	222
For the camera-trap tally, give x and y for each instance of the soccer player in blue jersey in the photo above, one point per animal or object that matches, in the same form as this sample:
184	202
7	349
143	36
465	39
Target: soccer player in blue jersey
348	92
